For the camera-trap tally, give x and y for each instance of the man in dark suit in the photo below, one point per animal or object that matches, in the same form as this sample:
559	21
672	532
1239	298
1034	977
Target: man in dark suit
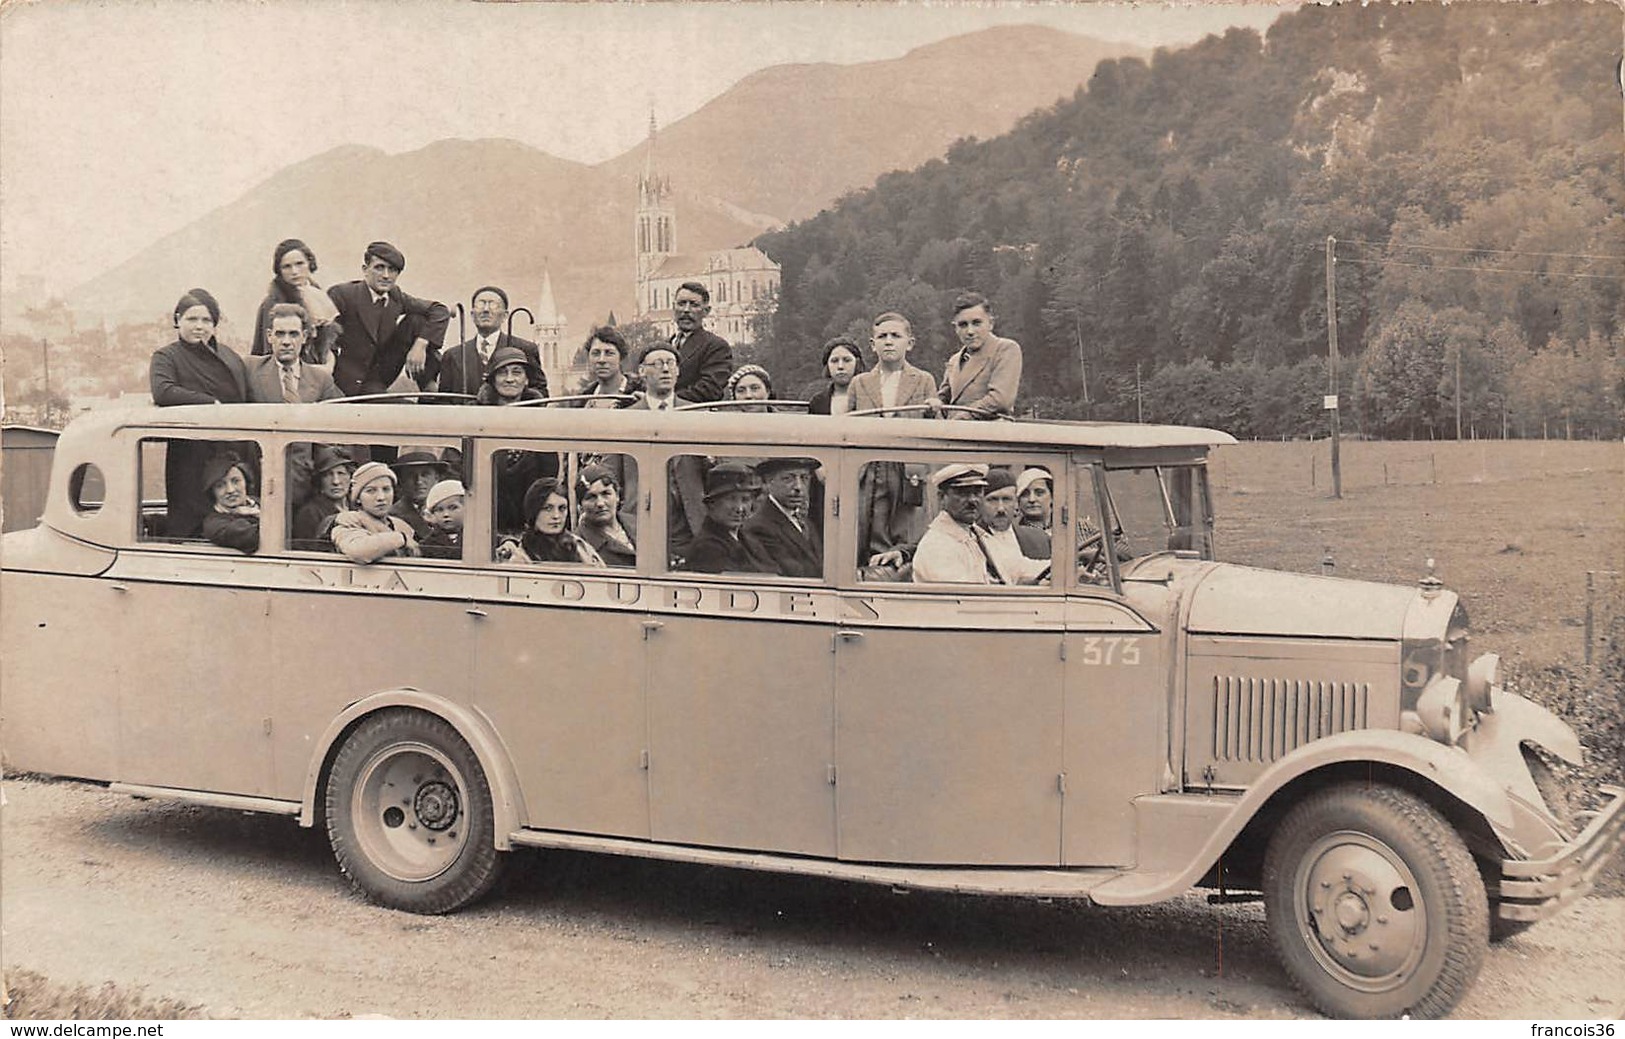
784	529
384	329
464	367
704	360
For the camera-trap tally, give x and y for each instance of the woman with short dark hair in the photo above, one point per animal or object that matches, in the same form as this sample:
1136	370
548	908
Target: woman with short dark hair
841	361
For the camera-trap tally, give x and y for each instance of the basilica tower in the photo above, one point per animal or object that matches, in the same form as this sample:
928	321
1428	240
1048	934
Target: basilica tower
655	227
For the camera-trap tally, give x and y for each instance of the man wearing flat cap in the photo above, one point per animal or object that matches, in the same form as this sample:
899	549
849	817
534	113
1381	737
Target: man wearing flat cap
416	472
732	494
784	529
951	552
384	329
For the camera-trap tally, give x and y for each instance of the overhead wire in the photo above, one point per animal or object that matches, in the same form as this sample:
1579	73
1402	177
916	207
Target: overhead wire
1476	270
1464	249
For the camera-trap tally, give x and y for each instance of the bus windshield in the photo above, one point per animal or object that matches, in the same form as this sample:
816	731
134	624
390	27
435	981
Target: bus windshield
1160	509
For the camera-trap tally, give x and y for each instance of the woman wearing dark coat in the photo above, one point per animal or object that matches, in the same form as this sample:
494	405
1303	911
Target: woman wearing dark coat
547	537
194	369
292	265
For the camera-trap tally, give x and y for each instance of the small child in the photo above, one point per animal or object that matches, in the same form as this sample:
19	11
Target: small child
366	532
443	508
233	519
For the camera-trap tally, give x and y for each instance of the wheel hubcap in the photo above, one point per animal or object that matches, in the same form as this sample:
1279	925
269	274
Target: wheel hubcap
408	812
1359	911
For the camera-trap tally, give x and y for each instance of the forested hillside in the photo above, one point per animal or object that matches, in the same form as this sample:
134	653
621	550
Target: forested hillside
1157	241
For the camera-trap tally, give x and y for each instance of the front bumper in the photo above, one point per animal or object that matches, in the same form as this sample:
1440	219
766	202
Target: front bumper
1533	889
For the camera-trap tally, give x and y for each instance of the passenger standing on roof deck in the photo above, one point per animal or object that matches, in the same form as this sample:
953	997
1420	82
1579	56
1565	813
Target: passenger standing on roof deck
194	369
732	493
785	528
659	367
750	382
951	551
986	371
891	495
331	469
416	470
705	358
510	378
383	329
292	264
606	357
466	367
841	363
283	377
233	519
1021	555
366	531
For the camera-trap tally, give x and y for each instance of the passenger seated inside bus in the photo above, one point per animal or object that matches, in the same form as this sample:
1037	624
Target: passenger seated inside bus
331	469
547	537
733	492
1019	555
366	532
516	472
444	510
786	529
603	526
233	519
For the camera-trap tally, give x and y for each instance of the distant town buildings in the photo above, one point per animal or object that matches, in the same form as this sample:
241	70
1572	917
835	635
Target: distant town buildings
741	281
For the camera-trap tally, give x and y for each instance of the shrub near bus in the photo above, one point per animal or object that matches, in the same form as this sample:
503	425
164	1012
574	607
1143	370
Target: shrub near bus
1141	721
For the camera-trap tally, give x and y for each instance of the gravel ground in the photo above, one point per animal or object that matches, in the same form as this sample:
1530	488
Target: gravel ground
248	917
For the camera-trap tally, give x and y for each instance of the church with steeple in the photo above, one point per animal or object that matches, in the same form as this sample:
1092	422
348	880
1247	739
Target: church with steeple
741	281
551	331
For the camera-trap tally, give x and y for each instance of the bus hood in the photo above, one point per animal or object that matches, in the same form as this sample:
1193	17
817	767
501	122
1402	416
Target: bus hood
1239	600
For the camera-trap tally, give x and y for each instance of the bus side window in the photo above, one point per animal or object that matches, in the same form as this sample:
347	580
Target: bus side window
317	483
746	515
176	478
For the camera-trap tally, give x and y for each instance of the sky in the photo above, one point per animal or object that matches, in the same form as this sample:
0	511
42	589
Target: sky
124	120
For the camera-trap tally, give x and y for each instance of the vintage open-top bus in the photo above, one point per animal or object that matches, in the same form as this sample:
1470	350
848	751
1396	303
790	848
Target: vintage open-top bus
1139	720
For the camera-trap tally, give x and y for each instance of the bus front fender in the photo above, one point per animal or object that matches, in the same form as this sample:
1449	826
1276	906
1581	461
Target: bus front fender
507	802
1182	835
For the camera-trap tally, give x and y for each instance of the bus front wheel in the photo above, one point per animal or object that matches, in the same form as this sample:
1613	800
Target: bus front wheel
1375	904
409	814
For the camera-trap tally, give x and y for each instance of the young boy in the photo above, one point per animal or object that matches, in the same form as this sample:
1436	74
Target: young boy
366	532
443	508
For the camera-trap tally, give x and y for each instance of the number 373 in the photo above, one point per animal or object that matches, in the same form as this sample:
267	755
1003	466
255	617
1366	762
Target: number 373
1107	650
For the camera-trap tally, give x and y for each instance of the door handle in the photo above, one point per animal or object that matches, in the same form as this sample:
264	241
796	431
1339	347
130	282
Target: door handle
119	587
849	635
650	627
475	611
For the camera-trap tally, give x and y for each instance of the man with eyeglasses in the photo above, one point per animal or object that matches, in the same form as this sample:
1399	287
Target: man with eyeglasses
985	372
705	359
659	367
464	367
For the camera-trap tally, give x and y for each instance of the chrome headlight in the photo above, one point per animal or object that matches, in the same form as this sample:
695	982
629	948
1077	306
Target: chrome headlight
1483	677
1442	710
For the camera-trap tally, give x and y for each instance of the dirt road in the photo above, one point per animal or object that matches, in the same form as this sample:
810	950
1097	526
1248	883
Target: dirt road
247	916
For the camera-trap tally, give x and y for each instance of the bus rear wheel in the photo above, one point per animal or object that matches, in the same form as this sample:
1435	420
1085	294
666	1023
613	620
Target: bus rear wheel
409	814
1375	904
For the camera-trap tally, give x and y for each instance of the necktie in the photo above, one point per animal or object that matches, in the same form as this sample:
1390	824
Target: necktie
290	386
485	352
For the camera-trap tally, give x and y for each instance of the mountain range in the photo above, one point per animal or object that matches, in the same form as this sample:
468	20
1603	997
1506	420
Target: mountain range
778	146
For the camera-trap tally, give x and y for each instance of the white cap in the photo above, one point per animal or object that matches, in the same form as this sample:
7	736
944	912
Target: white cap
1029	477
441	491
960	474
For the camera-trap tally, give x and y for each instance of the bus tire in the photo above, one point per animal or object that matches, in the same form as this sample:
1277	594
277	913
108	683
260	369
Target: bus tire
1375	904
409	814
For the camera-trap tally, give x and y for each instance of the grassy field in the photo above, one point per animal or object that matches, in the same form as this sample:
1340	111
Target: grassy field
1512	527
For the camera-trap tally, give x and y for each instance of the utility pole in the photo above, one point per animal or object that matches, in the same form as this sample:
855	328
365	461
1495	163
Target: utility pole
1331	401
1139	402
1458	392
45	358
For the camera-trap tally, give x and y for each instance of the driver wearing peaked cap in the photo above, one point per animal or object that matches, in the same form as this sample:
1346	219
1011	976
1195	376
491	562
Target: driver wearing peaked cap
951	551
